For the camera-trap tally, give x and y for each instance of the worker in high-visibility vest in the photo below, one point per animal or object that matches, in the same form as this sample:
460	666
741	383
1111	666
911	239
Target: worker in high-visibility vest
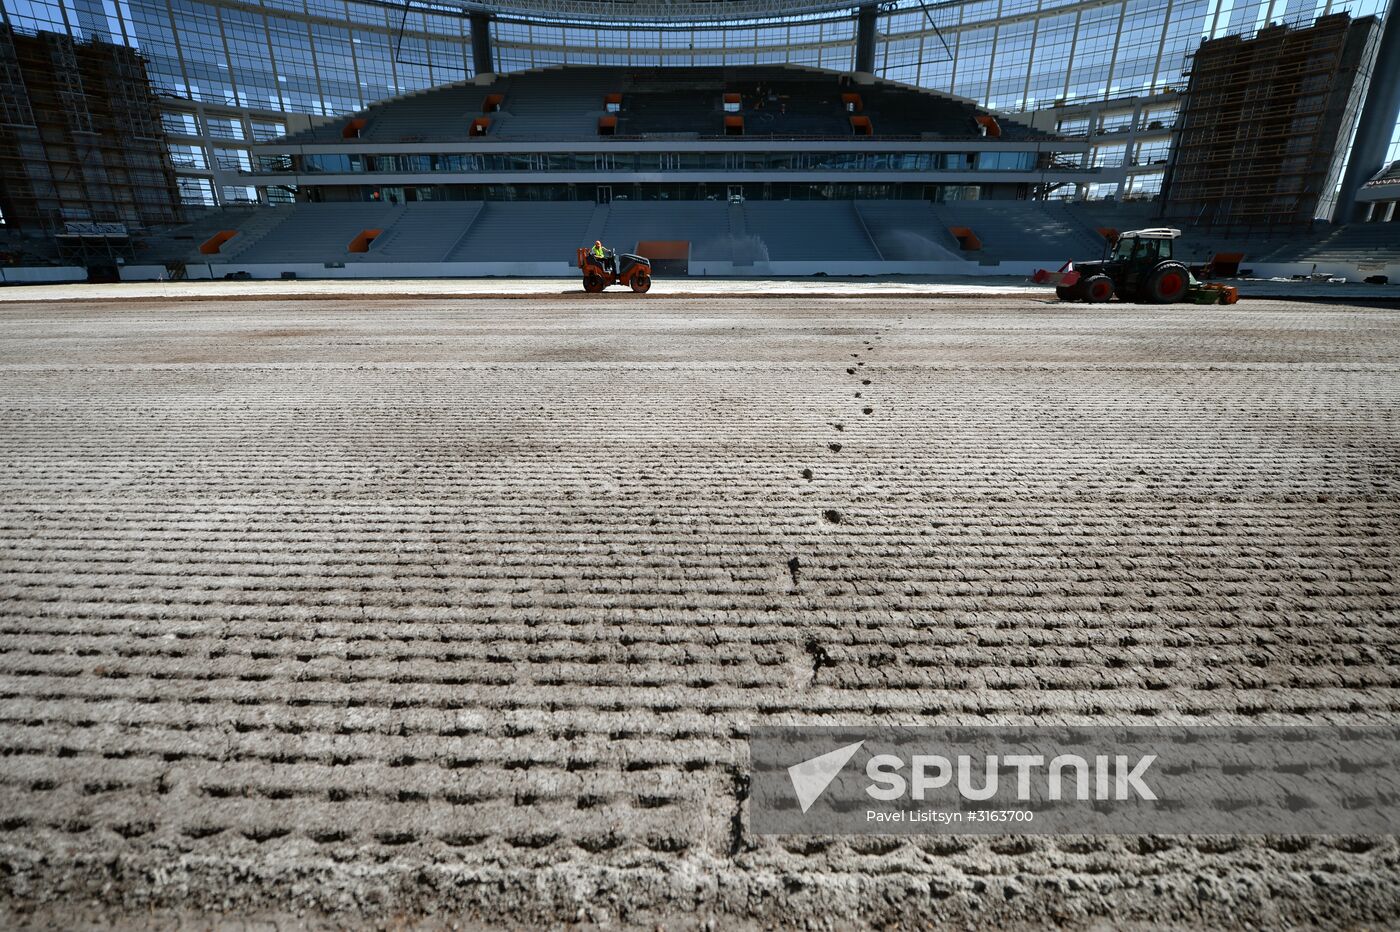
601	253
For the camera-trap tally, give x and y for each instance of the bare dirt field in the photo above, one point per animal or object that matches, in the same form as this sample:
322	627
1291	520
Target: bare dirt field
425	612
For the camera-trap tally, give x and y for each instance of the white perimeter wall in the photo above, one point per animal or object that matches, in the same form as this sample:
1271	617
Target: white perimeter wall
41	274
568	270
712	268
699	268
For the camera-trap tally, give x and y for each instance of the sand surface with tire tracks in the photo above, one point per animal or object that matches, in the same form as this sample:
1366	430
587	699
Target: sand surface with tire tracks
436	610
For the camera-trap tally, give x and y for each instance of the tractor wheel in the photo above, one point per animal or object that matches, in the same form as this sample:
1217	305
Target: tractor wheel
594	283
1079	291
1166	284
641	284
1064	293
1098	289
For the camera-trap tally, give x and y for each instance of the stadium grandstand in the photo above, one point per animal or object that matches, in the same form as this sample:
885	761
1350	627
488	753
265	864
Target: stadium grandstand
345	138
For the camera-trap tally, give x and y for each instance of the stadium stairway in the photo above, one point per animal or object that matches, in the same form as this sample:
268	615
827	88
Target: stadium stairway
1088	240
546	231
741	249
907	231
251	229
555	104
809	231
703	224
596	224
425	232
181	243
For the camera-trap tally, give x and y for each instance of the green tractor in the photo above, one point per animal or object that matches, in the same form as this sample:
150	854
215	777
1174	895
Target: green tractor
1137	266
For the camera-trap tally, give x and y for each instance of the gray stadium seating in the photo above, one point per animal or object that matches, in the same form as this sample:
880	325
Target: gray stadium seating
1019	231
809	230
908	231
704	224
317	232
186	239
438	113
551	103
425	232
525	232
1370	245
754	231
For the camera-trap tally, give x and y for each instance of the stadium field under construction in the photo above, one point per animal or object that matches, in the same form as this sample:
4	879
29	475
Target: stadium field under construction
450	612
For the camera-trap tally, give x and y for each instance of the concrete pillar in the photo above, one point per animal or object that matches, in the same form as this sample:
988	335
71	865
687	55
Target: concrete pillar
1378	117
866	17
481	43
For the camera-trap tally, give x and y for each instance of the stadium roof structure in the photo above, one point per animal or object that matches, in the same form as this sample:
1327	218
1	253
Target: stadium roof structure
655	11
1384	185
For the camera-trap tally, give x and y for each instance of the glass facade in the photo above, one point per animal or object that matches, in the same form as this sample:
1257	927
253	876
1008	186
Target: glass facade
663	191
1024	55
328	57
658	162
277	55
824	43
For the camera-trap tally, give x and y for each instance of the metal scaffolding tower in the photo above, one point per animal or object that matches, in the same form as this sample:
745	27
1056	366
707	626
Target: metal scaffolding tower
1264	125
82	151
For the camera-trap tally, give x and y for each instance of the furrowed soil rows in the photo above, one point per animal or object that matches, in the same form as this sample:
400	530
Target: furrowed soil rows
424	608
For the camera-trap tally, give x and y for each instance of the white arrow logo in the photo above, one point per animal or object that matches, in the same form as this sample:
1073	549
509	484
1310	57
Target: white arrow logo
811	777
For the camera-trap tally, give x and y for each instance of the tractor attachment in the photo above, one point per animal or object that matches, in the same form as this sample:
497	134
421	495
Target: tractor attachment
1064	280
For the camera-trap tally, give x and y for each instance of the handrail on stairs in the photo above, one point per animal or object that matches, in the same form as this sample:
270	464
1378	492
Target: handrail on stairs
465	230
855	206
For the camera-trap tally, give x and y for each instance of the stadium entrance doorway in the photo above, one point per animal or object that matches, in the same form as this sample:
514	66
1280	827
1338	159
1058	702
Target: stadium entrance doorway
604	194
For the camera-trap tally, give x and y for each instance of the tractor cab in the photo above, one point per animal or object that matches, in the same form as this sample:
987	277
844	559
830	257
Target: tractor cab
1142	246
1140	262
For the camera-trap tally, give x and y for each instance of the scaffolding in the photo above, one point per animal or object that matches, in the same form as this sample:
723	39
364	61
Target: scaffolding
14	100
82	151
1258	144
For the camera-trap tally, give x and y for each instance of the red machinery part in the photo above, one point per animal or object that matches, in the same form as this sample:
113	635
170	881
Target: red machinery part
1065	277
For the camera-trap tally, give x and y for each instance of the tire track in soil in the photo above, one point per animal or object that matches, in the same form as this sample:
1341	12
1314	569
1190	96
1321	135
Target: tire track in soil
420	609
